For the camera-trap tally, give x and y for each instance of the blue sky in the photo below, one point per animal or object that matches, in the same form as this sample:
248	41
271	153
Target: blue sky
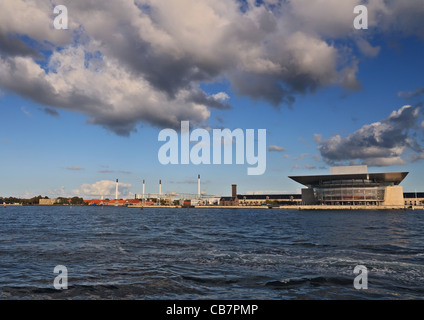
84	106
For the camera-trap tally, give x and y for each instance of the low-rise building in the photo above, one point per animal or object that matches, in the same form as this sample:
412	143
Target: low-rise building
414	198
47	202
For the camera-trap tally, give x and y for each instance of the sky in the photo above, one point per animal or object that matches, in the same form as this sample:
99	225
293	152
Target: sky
83	106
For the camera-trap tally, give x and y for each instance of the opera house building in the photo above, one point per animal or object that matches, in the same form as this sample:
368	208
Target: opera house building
352	185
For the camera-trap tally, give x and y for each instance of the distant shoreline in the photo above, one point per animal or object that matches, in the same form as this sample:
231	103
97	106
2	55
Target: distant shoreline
292	207
295	207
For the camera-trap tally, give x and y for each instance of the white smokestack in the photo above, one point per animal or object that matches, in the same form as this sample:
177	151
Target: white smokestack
198	185
160	187
143	189
116	190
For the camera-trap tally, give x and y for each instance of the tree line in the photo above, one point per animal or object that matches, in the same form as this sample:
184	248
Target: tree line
36	200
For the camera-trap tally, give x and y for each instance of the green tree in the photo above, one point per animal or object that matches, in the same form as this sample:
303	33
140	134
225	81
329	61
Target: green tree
77	201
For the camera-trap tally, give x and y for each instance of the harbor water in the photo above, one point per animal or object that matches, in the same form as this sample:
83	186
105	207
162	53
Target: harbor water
128	253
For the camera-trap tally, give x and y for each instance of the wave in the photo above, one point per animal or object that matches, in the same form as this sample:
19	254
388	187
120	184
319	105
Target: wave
216	281
310	281
307	244
389	249
157	289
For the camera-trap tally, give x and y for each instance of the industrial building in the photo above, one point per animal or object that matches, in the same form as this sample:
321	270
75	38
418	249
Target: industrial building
277	199
230	201
353	185
259	199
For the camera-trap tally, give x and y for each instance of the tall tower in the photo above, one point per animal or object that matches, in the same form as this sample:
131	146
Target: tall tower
143	188
234	191
198	186
160	187
116	190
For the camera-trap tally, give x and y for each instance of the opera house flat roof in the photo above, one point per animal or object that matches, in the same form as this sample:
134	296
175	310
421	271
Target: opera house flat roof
387	177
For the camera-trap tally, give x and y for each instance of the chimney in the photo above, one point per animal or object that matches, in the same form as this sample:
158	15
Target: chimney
198	185
234	191
116	190
160	187
143	190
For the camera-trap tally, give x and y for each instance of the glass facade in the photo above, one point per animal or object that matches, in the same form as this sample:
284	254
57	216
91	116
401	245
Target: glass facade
350	192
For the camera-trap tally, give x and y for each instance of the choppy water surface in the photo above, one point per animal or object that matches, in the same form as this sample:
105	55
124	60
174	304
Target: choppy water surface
127	253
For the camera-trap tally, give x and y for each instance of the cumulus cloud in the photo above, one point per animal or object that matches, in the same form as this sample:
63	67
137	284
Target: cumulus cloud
382	143
104	188
124	62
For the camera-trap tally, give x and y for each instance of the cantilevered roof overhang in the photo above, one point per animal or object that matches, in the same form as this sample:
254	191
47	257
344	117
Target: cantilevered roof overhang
387	177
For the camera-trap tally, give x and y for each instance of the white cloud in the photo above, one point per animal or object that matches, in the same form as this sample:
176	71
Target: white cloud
221	96
104	188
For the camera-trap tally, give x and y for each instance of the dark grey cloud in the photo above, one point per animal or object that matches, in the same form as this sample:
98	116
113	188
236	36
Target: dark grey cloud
13	46
266	87
122	63
382	143
200	97
406	17
51	112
